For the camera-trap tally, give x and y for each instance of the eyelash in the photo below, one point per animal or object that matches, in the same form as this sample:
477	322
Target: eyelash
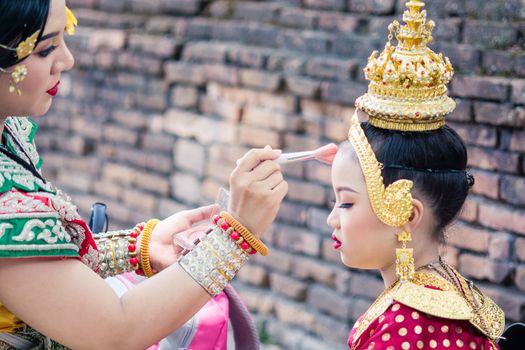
344	205
47	52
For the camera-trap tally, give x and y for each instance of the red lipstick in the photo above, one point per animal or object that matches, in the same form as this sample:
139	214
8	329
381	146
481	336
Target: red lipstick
337	243
54	90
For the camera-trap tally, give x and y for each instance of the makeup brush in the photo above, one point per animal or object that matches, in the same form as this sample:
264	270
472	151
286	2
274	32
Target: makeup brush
324	154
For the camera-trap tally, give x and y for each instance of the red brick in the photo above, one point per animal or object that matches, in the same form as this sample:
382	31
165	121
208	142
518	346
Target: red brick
155	45
518	91
293	213
183	72
382	7
208	131
502	217
146	64
259	137
326	4
180	123
262	117
185	187
489	34
118	173
297	18
298	240
289	287
255	11
330	301
277	260
184	97
469	212
152	182
481	268
366	285
512	190
190	156
481	87
228	110
463	111
303	87
492	159
486	183
306	192
340	22
305	41
499	247
260	79
140	200
254	275
479	135
517	141
344	92
519	248
279	102
469	237
220	73
313	269
247	56
205	52
109	38
294	313
496	114
328	251
330	68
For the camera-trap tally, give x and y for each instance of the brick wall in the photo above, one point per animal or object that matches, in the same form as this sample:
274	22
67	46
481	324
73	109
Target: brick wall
167	94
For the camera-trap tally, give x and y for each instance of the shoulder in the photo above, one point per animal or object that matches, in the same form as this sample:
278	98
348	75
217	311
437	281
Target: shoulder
403	327
31	226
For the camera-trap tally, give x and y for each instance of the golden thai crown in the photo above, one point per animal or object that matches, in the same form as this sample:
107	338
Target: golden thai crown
407	89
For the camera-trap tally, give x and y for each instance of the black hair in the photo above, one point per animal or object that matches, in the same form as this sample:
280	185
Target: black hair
19	20
434	160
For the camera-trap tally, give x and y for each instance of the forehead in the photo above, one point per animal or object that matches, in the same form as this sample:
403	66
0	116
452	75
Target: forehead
57	16
346	170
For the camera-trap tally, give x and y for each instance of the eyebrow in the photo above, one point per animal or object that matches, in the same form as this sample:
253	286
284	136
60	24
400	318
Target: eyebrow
48	36
345	188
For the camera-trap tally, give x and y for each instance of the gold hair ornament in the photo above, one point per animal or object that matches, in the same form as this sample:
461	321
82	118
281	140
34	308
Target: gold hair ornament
71	22
393	204
407	89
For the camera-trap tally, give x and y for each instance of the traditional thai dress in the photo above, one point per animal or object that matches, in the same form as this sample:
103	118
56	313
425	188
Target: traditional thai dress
429	313
39	221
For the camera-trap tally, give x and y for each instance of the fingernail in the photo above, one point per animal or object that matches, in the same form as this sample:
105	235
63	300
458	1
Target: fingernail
267	147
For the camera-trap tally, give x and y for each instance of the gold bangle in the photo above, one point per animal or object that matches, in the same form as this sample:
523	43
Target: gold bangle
144	247
112	245
256	243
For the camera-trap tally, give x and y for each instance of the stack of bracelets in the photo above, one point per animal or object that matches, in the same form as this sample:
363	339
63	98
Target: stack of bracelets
118	253
218	256
212	263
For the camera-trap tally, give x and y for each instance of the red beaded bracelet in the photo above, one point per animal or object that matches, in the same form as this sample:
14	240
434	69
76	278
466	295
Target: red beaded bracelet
234	235
132	248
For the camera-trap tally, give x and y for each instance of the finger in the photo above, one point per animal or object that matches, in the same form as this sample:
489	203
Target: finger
272	181
264	170
200	214
281	189
255	156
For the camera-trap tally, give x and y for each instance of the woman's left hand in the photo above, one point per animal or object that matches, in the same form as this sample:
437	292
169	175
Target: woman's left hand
162	250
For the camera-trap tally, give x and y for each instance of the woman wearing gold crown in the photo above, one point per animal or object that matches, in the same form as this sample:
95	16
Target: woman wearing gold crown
399	182
52	295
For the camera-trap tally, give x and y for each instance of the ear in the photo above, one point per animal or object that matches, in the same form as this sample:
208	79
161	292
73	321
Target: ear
416	218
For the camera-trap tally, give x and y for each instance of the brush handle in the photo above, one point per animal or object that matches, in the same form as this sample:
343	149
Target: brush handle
295	157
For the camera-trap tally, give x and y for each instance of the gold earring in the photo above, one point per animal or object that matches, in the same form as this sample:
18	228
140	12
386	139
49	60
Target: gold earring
17	76
405	268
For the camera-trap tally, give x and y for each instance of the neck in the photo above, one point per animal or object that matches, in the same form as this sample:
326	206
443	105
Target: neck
428	255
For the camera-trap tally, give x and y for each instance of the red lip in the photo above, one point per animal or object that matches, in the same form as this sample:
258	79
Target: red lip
337	243
54	90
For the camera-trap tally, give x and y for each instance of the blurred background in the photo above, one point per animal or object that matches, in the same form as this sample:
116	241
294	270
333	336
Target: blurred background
167	94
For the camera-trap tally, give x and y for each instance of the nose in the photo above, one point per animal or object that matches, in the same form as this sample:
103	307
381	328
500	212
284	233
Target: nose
332	219
65	62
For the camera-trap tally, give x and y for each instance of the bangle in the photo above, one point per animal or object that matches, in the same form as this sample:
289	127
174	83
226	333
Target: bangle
144	247
214	261
113	252
234	235
253	241
132	248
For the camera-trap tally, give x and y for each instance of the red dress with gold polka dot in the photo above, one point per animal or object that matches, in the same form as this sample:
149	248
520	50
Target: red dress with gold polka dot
428	314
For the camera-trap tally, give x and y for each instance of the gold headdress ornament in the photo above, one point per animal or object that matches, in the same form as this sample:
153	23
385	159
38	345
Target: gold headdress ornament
407	89
407	92
26	48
